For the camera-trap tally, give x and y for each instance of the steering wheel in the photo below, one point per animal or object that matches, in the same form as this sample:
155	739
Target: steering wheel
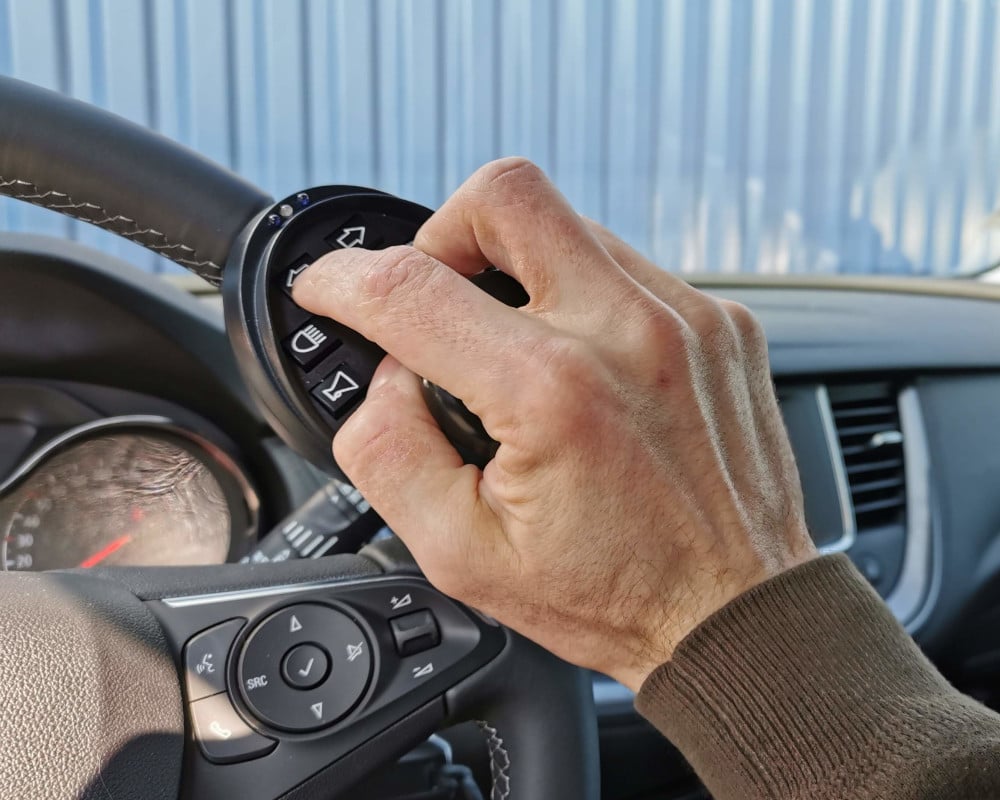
260	681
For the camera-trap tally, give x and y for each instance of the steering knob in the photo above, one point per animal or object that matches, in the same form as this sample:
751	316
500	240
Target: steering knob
309	374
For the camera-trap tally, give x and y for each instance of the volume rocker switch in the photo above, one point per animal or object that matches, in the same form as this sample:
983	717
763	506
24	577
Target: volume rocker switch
415	633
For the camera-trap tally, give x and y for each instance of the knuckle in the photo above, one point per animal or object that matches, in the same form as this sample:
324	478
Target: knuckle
510	175
393	270
562	359
747	325
713	327
659	330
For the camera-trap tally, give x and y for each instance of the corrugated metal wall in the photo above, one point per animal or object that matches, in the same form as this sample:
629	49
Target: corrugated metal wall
769	135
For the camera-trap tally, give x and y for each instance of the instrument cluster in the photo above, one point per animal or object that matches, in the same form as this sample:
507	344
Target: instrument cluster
131	490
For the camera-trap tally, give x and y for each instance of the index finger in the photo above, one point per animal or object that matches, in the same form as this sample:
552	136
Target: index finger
432	319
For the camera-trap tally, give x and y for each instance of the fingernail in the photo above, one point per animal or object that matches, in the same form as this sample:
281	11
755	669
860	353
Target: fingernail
385	372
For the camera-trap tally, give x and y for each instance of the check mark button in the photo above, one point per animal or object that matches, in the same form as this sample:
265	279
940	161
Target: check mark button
305	666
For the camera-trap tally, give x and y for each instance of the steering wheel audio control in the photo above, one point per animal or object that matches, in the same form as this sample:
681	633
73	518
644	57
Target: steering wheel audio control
307	373
313	672
304	667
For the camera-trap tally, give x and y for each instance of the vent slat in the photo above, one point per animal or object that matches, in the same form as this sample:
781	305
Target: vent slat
858	449
864	411
880	505
874	466
863	414
876	486
875	427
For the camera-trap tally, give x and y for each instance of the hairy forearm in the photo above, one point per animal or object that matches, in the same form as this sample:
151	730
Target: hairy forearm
807	687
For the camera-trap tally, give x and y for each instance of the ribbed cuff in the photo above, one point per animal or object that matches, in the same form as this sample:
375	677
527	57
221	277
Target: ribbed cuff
804	686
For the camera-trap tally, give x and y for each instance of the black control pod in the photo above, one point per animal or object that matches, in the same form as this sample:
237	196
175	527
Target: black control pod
310	373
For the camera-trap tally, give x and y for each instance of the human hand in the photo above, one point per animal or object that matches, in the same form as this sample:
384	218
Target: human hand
644	477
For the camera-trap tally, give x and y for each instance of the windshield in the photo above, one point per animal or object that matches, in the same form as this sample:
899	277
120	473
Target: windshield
769	136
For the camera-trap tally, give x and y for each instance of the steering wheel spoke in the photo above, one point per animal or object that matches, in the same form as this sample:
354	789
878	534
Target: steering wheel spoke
307	685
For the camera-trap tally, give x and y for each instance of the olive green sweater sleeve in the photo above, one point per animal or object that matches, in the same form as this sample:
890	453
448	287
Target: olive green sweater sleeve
807	687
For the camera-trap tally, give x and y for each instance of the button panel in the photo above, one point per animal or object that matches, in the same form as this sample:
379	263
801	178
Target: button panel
392	691
325	366
222	735
205	659
316	631
309	388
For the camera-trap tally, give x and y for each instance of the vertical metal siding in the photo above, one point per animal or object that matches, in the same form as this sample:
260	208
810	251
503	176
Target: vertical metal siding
722	135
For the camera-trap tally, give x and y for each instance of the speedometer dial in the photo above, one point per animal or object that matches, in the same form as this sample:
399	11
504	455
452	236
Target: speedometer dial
118	498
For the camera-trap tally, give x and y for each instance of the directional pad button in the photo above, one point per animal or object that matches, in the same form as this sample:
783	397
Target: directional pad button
304	667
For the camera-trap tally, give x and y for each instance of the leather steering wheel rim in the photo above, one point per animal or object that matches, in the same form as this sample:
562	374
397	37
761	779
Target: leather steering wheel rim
536	710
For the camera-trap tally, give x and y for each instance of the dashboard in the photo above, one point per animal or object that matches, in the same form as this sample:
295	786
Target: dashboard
126	437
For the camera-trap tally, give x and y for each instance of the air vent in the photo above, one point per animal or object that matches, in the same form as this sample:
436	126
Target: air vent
871	439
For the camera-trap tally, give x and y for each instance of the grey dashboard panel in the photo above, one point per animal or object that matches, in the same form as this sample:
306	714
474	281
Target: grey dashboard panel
68	312
826	330
810	426
963	433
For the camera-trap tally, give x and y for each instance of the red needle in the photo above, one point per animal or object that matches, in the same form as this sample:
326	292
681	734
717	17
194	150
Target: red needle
106	551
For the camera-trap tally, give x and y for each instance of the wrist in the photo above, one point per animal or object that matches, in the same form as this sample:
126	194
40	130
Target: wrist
683	616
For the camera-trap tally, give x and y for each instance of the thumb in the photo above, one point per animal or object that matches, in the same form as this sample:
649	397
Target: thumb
396	455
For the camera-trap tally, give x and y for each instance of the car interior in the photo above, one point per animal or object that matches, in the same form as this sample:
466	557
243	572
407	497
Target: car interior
201	605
